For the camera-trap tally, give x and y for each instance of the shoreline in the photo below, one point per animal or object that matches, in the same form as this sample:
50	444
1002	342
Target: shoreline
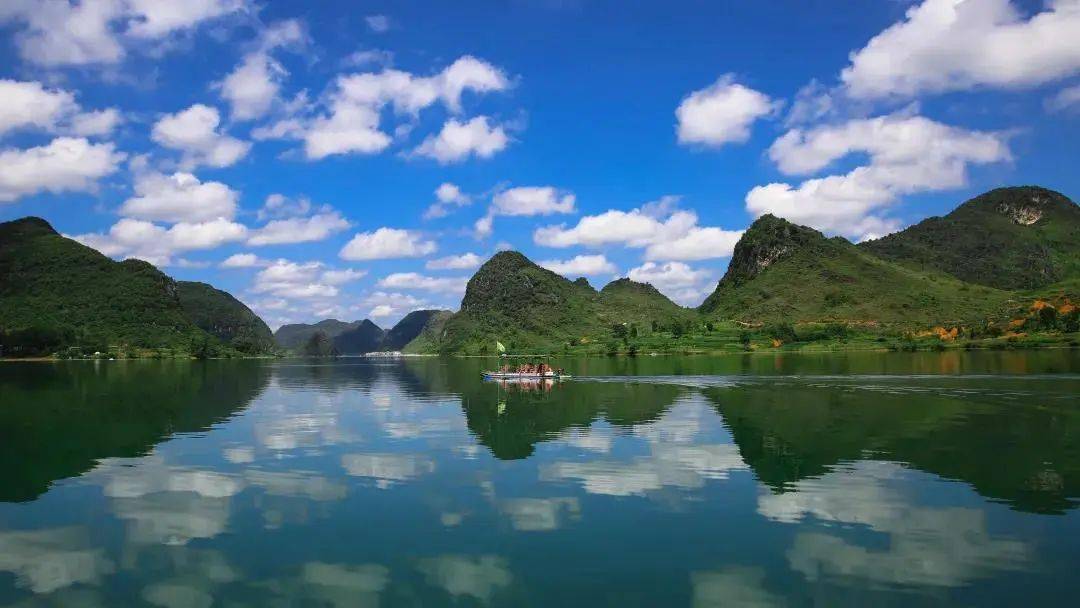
807	349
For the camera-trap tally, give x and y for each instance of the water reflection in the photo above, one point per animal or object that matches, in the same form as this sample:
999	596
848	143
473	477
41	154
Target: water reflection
748	481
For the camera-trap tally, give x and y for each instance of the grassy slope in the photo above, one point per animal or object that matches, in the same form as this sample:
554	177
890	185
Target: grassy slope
220	314
48	280
980	242
783	272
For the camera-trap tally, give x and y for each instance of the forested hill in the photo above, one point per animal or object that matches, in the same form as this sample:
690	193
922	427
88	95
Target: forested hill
59	296
1010	238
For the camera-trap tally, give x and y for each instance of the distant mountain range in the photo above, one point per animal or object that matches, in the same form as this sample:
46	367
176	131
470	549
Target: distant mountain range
980	262
57	294
330	336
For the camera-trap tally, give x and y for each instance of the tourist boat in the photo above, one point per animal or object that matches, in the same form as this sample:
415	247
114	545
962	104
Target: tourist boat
524	376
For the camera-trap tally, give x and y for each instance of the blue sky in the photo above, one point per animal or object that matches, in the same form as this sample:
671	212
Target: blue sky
345	159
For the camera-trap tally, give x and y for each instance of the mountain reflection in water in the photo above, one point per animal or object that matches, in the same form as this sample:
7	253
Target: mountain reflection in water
843	479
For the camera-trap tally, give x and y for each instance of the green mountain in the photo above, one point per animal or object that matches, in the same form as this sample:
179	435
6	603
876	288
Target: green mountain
1010	238
56	293
366	337
409	328
515	301
221	315
783	272
295	335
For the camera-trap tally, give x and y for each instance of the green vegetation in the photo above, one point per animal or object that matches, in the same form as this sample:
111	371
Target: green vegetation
409	327
529	308
366	337
789	287
294	336
783	272
60	297
219	314
319	345
1009	238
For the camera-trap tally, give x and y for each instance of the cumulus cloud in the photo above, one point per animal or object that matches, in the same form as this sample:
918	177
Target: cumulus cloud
678	281
945	45
63	165
96	31
417	281
465	261
459	140
351	122
156	244
382	304
179	197
525	201
1065	99
907	154
299	229
378	23
387	243
447	197
29	105
302	280
721	113
194	132
254	86
591	265
664	233
244	260
532	200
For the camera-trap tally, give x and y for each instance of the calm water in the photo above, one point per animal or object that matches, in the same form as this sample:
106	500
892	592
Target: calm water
878	479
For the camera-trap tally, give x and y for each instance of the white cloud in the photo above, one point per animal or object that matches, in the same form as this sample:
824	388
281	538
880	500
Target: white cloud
945	45
683	284
387	243
57	33
244	260
696	244
385	305
664	233
28	104
254	86
721	113
458	140
156	244
670	275
301	280
377	23
64	165
179	197
465	261
591	265
447	197
279	206
417	281
352	120
96	122
907	154
194	132
299	229
525	201
1065	99
154	19
532	200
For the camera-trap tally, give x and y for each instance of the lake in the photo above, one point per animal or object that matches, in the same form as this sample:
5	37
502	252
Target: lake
840	479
